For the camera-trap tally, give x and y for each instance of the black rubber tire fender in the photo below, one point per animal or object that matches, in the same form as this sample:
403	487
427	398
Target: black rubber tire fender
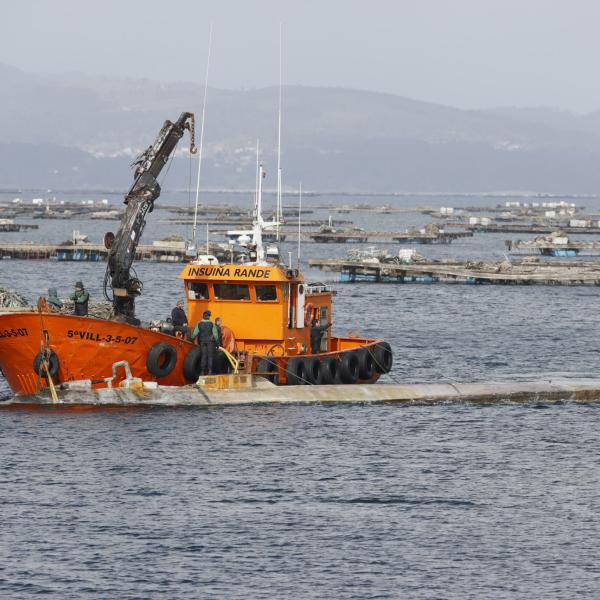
329	370
348	368
53	364
383	357
295	371
312	369
191	364
269	365
161	359
221	364
366	363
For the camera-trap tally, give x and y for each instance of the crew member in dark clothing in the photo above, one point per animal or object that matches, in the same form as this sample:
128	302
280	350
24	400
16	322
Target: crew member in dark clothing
80	298
179	318
205	331
53	299
316	335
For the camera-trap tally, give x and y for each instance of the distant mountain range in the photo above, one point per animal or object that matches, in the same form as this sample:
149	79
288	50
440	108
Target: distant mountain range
76	131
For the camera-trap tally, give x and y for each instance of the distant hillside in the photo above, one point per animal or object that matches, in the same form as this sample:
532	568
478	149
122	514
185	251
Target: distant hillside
74	130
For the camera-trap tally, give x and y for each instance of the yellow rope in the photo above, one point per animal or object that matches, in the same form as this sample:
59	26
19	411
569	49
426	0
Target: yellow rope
234	362
50	382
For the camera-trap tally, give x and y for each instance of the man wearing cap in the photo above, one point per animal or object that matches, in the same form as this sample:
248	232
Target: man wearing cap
205	331
80	298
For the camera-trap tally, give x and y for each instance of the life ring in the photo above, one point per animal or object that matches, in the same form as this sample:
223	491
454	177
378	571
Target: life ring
161	359
308	314
53	364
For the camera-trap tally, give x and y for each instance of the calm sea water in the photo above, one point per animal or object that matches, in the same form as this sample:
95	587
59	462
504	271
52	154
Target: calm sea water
448	501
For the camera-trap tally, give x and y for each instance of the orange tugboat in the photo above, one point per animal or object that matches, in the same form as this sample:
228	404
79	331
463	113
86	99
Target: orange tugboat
268	309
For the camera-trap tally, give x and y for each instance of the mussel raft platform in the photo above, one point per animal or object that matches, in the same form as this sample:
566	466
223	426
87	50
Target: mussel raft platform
15	227
524	228
98	253
383	237
258	391
470	272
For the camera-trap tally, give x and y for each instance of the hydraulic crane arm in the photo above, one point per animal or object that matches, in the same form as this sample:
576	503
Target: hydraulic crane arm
140	201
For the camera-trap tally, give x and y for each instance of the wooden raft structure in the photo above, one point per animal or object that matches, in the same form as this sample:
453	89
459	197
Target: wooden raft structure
471	272
524	228
547	245
93	252
372	237
15	227
383	237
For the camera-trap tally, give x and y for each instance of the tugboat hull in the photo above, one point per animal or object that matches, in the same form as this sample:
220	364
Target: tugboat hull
86	348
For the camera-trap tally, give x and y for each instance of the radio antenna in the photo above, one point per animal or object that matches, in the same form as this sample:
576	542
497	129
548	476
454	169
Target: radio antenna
279	209
299	219
195	227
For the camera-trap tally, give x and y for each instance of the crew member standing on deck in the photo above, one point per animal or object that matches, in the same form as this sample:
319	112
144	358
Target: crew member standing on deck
179	318
218	332
53	299
205	332
80	298
316	335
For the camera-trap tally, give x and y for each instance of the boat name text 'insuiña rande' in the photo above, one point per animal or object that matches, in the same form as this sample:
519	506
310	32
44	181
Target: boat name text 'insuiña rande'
226	272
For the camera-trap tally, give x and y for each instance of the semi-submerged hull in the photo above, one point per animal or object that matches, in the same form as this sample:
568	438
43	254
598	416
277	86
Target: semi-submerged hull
87	348
261	392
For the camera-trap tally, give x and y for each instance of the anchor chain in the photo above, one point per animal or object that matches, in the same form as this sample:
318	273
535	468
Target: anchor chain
192	128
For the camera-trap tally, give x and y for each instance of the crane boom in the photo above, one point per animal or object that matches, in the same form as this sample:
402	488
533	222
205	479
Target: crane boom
140	201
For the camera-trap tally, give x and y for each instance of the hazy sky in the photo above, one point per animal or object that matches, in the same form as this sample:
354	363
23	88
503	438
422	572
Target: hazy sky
466	53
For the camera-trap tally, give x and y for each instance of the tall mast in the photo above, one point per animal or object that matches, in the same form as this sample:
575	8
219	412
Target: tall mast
258	224
299	221
279	210
255	212
195	227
